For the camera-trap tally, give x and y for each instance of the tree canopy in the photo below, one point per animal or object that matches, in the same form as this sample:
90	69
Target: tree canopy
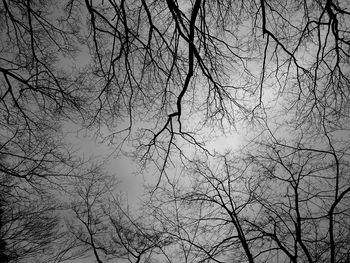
157	81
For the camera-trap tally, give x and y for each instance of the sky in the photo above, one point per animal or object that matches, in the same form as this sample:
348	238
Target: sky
131	176
127	171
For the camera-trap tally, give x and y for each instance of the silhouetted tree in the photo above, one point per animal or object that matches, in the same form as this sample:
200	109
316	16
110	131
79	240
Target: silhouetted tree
168	76
29	223
37	93
101	223
282	203
3	250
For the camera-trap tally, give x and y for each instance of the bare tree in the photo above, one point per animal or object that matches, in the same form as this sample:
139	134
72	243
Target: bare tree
101	223
280	201
206	217
29	223
37	93
168	69
163	73
176	63
308	215
164	64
